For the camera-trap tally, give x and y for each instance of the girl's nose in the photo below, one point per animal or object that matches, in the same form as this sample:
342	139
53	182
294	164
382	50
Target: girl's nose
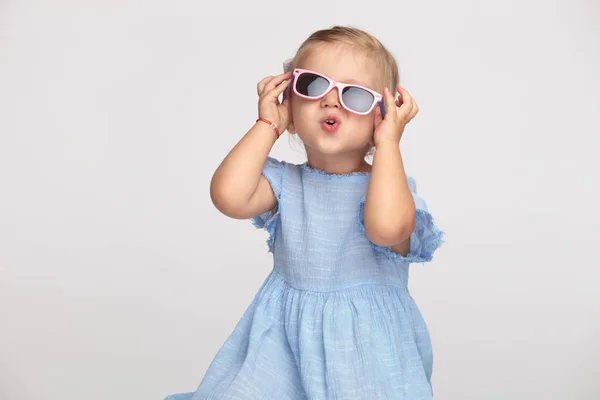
331	99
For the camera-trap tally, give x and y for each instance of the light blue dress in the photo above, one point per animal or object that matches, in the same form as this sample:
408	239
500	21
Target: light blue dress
334	318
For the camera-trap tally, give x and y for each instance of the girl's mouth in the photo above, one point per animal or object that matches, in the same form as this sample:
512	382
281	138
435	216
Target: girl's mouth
330	124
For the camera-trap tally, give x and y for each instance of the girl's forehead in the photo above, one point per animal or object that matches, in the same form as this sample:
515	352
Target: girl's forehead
342	63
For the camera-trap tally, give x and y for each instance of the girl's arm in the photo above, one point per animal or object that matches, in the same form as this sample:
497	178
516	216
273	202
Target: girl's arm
389	205
238	189
390	209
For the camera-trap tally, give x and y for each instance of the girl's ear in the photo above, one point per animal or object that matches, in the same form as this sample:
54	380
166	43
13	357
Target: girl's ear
376	121
291	128
377	114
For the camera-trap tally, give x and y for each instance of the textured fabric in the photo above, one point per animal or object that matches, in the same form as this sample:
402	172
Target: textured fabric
334	318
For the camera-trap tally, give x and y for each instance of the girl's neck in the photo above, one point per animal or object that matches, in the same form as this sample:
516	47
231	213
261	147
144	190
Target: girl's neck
338	166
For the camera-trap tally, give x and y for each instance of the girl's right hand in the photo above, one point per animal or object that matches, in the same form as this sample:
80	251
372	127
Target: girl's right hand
269	107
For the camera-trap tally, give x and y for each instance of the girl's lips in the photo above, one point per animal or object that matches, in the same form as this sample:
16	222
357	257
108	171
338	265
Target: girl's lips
332	126
331	117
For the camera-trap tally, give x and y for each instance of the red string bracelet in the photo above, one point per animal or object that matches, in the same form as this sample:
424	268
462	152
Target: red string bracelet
272	125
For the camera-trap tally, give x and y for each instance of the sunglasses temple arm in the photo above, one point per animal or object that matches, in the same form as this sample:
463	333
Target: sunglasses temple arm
287	89
382	108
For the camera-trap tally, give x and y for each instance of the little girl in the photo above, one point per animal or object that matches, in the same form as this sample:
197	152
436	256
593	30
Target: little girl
334	319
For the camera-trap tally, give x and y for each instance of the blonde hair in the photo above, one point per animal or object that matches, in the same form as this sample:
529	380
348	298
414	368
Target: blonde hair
359	40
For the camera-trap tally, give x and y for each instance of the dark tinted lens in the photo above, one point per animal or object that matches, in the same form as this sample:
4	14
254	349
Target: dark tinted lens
311	85
357	99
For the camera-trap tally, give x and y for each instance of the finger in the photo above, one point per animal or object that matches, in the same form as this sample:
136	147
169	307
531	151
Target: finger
261	85
267	86
276	81
405	96
277	90
411	115
407	102
399	100
412	112
415	109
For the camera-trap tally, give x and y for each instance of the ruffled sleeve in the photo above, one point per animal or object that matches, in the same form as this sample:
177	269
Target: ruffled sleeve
424	240
273	172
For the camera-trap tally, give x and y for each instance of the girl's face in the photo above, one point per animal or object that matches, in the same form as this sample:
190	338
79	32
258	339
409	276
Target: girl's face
352	135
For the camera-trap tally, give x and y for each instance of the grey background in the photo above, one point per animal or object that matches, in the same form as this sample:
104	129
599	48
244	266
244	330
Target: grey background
120	280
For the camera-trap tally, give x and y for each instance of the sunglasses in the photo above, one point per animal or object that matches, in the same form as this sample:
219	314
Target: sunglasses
354	98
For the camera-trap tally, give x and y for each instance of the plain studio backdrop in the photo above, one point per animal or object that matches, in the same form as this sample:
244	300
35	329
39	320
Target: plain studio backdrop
120	280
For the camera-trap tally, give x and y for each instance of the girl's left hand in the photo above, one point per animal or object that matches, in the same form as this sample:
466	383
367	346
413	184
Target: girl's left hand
392	126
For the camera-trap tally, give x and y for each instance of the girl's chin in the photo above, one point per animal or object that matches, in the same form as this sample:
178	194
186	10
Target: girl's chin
332	148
